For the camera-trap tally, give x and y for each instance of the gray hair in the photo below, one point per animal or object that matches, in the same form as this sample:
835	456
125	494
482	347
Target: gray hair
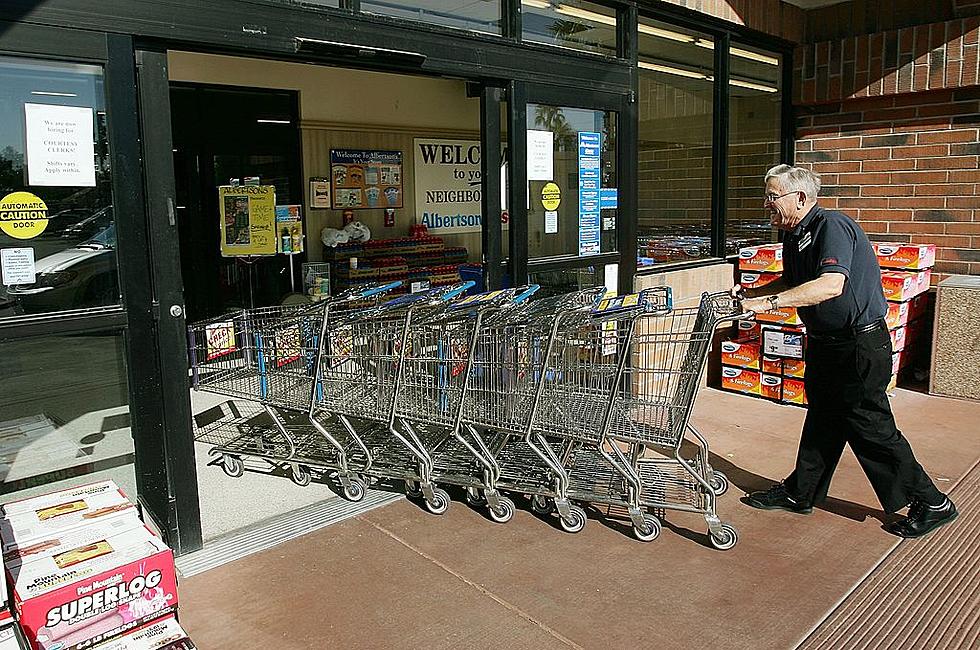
796	179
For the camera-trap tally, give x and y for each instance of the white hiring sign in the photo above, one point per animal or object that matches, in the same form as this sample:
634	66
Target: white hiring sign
60	146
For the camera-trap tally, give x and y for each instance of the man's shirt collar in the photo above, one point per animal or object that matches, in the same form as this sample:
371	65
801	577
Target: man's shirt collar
805	221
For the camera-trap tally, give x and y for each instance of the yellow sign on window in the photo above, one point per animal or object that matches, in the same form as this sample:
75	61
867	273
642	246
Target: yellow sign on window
550	196
23	215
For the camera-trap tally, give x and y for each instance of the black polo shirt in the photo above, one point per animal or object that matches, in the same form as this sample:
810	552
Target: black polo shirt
826	241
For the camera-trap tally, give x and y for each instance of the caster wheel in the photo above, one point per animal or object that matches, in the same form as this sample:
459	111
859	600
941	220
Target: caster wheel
412	489
542	505
474	498
301	475
233	465
504	512
726	539
439	503
719	483
651	531
576	520
355	491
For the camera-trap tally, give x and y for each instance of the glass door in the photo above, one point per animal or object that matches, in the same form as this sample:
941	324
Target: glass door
569	191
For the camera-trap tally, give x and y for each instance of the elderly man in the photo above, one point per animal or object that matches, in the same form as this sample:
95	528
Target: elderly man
832	276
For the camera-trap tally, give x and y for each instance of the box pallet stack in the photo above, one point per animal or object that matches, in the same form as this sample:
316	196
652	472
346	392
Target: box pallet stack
85	572
746	368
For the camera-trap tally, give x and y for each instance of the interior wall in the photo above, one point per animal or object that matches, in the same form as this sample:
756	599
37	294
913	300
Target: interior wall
355	109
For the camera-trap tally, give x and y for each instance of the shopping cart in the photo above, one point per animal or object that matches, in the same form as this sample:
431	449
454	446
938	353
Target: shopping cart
269	355
359	369
653	407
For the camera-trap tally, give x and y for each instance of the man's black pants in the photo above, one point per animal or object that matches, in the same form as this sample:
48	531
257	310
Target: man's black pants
845	380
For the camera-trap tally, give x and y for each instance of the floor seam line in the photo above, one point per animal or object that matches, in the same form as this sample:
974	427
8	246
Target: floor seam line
486	592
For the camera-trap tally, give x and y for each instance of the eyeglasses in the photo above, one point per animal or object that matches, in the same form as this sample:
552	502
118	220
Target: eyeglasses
771	198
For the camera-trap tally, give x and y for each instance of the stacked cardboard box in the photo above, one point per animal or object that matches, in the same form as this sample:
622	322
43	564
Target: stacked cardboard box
83	569
754	358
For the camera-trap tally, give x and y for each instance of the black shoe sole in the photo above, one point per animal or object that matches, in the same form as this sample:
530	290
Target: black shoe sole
938	524
762	506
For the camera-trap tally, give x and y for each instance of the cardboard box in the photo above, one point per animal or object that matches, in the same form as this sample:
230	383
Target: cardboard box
61	542
781	316
793	391
740	380
898	314
767	258
918	306
9	637
744	355
746	330
772	365
752	280
29	520
898	339
794	368
900	286
94	593
163	634
905	256
771	386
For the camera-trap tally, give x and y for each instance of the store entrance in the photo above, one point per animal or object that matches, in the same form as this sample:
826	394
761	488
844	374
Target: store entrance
227	136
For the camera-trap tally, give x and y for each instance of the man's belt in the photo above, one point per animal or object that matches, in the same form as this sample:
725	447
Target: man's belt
848	333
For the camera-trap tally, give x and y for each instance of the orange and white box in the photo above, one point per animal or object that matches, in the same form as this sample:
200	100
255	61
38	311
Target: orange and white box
741	380
752	280
913	257
771	386
746	330
93	593
743	355
898	338
781	316
164	634
900	286
917	307
794	368
764	259
898	314
793	391
29	520
897	361
772	365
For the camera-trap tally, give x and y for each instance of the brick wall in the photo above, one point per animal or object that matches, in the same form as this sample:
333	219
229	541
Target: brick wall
905	166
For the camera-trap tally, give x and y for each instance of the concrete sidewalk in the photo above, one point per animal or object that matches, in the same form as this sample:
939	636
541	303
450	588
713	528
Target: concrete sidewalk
399	577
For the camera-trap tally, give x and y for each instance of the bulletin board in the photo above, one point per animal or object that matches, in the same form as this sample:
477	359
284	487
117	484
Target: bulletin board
366	179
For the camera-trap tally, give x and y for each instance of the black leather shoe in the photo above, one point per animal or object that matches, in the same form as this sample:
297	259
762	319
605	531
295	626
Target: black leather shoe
777	498
923	518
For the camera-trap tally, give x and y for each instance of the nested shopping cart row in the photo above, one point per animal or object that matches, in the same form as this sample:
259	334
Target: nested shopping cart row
568	399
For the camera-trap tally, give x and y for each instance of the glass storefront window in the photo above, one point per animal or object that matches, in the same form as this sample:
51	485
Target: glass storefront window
571	23
463	14
755	113
579	145
64	414
555	282
57	228
675	106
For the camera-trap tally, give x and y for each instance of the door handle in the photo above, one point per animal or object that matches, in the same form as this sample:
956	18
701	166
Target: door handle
176	311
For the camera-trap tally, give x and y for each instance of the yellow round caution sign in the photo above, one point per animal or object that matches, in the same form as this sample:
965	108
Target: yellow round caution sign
550	196
23	215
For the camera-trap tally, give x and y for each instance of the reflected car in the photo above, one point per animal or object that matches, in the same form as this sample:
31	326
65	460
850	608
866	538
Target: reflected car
84	275
89	226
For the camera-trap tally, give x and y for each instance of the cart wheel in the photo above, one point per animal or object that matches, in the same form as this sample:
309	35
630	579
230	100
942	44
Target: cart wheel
233	465
726	539
542	505
301	475
439	503
355	491
719	483
474	498
504	513
576	520
412	489
652	530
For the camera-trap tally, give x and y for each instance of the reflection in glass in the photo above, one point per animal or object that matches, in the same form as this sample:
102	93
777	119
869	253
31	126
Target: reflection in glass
64	413
575	24
476	16
674	149
74	255
554	282
755	113
559	234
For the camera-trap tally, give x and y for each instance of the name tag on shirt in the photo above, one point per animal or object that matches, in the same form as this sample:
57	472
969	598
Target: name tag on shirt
805	241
